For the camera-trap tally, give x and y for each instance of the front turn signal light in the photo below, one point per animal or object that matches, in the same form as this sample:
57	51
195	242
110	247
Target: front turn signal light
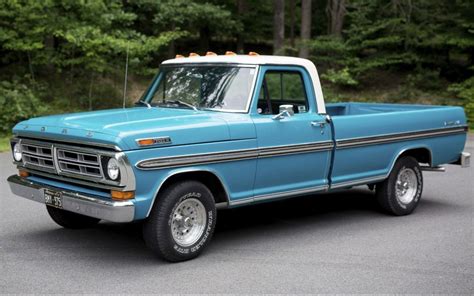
23	174
146	142
122	195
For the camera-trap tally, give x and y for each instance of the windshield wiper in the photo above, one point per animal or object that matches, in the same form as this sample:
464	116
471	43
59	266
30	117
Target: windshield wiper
181	103
141	102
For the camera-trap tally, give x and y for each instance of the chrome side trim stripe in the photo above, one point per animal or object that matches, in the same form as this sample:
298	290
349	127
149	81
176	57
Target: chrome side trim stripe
277	195
236	155
359	182
390	138
232	155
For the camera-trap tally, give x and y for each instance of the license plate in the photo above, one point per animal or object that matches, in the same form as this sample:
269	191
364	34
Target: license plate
53	198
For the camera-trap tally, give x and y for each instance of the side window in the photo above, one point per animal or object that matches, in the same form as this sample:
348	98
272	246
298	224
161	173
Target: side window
280	88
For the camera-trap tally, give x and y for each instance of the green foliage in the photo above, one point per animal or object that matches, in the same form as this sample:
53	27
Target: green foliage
465	91
340	77
5	143
17	103
71	54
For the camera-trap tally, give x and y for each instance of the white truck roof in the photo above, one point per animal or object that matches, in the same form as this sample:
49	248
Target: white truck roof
261	60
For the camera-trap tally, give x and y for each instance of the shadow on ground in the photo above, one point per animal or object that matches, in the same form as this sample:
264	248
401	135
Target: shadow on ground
318	212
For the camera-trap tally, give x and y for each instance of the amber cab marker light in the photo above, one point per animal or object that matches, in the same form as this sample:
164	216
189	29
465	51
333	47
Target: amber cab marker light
193	54
23	174
122	195
179	56
253	53
146	142
230	53
211	53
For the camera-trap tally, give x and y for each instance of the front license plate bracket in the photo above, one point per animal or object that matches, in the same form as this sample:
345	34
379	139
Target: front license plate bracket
53	198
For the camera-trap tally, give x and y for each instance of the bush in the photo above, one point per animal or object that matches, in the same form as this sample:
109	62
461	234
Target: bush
465	91
17	102
342	77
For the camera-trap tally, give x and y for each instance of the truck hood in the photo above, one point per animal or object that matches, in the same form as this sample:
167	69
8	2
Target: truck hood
122	127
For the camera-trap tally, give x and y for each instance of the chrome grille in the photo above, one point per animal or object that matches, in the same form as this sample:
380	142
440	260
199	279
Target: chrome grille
38	156
79	163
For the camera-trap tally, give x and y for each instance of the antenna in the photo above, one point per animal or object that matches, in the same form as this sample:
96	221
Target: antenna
126	76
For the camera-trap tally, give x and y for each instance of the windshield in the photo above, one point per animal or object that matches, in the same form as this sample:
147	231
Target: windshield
221	88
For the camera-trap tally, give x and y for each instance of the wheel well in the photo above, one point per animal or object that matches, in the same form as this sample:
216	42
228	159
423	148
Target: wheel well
422	155
212	182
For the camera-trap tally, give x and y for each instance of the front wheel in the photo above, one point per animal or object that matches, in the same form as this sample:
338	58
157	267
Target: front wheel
400	193
181	222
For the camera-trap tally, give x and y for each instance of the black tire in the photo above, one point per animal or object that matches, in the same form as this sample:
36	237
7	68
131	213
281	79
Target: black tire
71	220
157	229
386	191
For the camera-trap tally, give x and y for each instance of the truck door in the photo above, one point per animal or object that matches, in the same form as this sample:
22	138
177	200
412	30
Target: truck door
295	150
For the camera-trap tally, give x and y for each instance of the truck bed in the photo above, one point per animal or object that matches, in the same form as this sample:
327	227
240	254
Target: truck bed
341	109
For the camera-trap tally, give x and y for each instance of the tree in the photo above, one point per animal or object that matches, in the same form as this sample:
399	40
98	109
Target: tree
278	26
336	11
241	9
305	27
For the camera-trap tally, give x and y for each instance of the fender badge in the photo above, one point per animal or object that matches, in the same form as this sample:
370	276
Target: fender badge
90	134
454	122
43	129
64	131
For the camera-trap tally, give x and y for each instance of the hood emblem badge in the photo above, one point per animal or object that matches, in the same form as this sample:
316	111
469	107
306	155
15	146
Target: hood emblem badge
153	141
64	131
90	134
43	129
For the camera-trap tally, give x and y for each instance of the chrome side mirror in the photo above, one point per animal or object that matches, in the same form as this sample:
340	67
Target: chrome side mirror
285	111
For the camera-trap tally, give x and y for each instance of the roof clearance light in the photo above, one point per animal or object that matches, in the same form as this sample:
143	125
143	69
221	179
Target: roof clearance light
230	53
210	53
253	53
193	54
179	56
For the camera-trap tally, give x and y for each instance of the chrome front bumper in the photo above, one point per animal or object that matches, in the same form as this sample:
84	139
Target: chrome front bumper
115	211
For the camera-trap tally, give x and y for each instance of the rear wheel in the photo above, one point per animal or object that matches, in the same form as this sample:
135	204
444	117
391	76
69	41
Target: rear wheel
70	220
181	222
400	193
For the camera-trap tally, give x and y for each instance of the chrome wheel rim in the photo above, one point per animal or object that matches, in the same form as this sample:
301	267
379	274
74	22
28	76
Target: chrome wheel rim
406	185
188	222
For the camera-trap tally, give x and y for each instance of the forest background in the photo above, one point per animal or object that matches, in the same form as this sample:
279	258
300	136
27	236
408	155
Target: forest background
61	56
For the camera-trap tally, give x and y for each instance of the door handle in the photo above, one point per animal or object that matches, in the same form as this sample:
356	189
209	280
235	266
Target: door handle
321	123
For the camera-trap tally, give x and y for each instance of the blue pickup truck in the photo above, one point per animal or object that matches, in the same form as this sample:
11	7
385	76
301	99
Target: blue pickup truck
222	131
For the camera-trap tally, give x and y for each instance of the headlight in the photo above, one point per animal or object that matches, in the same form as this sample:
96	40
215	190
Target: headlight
113	170
17	152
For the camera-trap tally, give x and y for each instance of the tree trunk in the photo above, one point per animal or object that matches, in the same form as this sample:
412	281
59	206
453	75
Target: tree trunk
292	22
336	11
172	45
241	9
49	48
278	26
30	66
204	37
305	27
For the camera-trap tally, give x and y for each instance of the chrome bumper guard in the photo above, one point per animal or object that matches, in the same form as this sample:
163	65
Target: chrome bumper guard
115	211
464	160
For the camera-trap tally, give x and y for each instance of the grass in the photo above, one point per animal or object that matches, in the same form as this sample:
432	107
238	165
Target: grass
5	143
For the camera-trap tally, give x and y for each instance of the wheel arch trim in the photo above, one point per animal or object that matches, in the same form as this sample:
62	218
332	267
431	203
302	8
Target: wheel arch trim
182	171
407	149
